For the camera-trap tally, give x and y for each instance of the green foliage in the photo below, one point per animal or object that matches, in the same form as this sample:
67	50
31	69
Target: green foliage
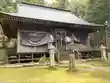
98	11
2	3
78	7
11	43
39	2
8	6
55	3
52	68
9	1
44	59
59	4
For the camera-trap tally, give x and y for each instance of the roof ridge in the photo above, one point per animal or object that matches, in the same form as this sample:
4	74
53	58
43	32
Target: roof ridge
44	6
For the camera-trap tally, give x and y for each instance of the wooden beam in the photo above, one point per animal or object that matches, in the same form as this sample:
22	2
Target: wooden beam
18	58
106	40
7	59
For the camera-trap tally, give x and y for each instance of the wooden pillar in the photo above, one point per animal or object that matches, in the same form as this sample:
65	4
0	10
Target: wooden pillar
56	44
44	55
57	53
18	42
18	58
7	59
61	41
106	40
58	56
32	57
65	43
88	42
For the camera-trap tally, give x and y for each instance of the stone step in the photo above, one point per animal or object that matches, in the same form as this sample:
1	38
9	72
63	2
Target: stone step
63	57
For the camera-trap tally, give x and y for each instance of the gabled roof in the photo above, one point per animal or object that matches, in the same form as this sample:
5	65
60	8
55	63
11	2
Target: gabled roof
31	11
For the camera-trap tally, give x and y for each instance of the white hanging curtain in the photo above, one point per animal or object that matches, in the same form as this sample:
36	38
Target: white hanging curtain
33	41
35	38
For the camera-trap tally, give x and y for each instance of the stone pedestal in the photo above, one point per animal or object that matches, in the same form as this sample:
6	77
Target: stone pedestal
71	62
52	57
52	54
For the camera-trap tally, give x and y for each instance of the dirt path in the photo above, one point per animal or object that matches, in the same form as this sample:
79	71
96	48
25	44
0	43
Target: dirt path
88	67
93	68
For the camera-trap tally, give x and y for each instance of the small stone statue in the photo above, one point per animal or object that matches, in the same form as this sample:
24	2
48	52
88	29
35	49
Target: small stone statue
103	52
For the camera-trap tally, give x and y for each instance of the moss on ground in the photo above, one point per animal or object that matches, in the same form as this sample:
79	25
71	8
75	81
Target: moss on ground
97	62
44	75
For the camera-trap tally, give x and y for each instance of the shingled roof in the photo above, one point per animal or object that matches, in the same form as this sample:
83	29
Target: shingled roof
26	10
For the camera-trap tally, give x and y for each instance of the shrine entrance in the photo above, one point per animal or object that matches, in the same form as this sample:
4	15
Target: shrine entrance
56	22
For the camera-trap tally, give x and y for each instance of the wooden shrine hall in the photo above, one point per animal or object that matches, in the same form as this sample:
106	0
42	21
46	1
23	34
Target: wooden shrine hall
39	28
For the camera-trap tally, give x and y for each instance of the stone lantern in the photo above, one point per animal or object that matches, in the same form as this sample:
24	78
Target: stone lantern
51	49
3	52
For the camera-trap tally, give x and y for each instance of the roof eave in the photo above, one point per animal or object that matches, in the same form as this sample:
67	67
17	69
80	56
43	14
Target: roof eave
90	25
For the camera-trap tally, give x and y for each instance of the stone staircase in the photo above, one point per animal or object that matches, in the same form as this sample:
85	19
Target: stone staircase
64	55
